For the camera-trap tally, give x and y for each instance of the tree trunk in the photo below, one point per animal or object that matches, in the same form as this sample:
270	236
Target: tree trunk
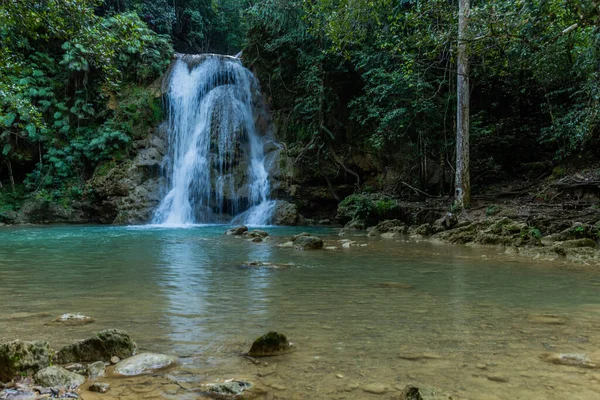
462	182
10	174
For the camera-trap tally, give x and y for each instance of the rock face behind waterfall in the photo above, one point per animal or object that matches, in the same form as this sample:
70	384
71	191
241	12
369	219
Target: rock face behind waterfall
221	158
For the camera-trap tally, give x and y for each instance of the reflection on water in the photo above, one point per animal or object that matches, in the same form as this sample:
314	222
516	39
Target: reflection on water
468	321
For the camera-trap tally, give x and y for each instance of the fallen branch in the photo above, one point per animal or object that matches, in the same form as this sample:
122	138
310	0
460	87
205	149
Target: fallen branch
418	190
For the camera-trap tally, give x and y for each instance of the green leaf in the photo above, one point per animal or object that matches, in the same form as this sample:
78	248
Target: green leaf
8	119
31	130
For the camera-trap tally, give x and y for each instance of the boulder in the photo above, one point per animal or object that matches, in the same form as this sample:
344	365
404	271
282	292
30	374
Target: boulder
103	346
144	363
308	243
58	377
422	230
23	358
270	344
237	230
285	213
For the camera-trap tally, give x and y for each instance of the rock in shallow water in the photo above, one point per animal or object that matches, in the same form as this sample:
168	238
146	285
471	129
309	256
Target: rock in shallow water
574	360
308	243
375	388
99	387
58	377
270	344
103	346
96	369
265	265
73	319
228	389
23	358
144	363
237	230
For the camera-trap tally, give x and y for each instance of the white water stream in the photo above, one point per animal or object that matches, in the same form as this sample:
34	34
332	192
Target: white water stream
215	165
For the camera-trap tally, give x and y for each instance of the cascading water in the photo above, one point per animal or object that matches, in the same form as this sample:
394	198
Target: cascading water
216	163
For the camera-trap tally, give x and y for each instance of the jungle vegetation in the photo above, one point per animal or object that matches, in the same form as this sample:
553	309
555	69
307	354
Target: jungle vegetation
377	77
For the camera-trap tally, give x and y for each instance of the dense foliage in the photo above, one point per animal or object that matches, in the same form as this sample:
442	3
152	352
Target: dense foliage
380	76
347	80
61	68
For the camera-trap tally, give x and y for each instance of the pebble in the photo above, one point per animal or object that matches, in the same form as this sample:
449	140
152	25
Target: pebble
339	376
278	386
114	360
171	389
497	378
375	388
351	387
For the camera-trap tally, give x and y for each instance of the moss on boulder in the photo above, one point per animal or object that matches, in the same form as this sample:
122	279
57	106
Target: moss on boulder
19	358
103	346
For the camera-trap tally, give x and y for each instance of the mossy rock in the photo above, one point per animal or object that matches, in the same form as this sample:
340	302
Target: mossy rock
19	358
308	243
103	346
270	344
58	377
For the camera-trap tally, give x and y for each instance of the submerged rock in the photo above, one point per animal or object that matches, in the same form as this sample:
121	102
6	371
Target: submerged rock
256	234
23	358
231	388
103	346
144	363
270	344
99	387
58	377
74	319
308	242
265	265
394	285
411	393
574	360
375	388
237	230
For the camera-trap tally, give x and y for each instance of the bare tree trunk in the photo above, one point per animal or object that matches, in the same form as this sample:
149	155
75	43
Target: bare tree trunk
462	182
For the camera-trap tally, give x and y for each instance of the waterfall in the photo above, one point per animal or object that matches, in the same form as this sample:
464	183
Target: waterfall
215	166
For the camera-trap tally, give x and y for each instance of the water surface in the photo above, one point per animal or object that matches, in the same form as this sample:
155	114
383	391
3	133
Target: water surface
474	323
